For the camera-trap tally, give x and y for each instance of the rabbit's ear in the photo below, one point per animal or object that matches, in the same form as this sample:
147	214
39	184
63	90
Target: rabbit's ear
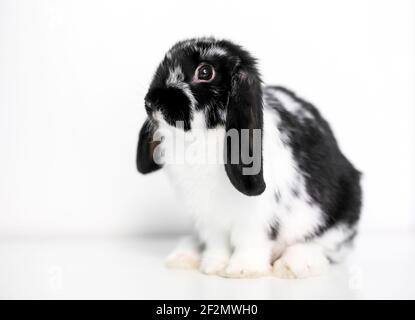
243	155
146	148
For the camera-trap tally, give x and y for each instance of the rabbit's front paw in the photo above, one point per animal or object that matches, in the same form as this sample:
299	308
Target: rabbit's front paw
213	264
183	260
301	261
247	267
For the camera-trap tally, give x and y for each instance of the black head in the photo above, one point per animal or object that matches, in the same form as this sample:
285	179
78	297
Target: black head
220	80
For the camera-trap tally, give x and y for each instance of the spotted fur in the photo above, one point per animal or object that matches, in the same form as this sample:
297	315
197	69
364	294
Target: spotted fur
293	217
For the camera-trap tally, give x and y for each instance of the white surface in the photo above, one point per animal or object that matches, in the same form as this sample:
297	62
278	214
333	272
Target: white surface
73	75
132	268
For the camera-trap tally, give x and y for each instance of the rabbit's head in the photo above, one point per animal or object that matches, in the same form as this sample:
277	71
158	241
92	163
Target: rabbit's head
219	80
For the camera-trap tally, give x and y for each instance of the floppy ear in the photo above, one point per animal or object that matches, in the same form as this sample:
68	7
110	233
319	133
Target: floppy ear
145	149
245	118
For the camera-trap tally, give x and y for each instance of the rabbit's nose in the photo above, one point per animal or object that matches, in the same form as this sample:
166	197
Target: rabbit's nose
160	98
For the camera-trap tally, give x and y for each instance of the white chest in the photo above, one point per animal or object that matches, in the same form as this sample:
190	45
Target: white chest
194	164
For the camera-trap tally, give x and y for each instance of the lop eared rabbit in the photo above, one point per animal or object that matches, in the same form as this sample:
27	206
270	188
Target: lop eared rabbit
291	211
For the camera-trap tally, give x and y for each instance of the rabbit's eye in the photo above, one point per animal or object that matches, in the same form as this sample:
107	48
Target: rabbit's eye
204	73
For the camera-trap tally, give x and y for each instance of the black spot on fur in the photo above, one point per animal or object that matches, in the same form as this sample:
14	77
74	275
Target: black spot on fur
273	232
277	195
295	192
347	241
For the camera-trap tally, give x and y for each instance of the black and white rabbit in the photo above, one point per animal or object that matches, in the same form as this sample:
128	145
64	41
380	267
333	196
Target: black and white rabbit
295	214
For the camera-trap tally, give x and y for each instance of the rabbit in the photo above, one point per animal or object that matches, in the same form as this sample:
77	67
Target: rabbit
291	210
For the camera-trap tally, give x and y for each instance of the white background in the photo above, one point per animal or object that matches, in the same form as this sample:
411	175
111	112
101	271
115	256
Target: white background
73	75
